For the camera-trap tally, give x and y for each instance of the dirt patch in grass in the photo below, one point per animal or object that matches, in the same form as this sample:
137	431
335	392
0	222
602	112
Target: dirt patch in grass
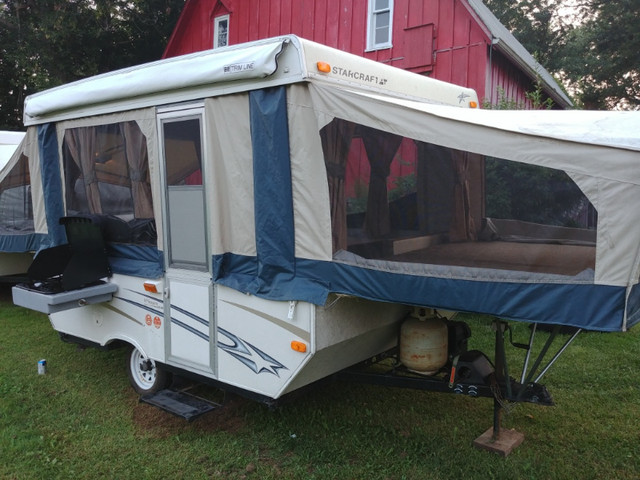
229	417
152	421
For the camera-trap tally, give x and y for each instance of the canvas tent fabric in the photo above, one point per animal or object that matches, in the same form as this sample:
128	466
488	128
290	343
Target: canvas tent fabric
273	192
607	174
20	229
305	195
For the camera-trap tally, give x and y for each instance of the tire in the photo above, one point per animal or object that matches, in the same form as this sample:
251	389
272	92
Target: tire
144	374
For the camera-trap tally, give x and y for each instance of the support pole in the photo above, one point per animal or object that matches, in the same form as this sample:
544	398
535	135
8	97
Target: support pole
497	420
500	364
526	359
497	439
557	355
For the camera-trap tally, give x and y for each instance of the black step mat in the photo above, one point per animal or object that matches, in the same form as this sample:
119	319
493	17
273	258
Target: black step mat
181	404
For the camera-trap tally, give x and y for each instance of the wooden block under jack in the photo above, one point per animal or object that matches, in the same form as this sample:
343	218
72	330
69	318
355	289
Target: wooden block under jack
506	442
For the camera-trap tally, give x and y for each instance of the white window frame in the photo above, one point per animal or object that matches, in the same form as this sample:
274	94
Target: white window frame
373	16
217	21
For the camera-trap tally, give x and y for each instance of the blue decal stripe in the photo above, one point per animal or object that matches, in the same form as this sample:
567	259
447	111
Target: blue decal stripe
189	328
190	315
242	351
29	242
141	305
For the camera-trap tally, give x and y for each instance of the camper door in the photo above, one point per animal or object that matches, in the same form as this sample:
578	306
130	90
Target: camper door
189	304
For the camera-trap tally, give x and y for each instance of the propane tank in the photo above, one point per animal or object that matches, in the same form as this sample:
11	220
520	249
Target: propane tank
423	342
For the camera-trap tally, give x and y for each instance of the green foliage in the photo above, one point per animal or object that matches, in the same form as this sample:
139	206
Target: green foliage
601	57
47	43
536	24
594	46
538	100
503	102
531	193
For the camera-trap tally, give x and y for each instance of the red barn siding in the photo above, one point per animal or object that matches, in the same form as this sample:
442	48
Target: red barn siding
477	75
440	38
507	82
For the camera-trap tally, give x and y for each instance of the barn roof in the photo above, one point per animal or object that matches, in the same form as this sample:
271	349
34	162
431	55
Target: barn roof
507	44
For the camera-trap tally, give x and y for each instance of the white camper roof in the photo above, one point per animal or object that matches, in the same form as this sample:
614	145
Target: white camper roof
616	129
259	64
9	142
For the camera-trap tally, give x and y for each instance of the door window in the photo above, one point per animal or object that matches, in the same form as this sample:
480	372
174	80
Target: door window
182	144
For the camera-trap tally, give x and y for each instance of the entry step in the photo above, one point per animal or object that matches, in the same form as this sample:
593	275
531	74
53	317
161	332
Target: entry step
179	403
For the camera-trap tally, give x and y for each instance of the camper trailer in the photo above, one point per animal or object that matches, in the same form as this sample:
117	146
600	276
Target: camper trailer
266	215
16	218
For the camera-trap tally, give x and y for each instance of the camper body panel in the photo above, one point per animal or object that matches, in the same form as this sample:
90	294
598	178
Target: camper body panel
134	316
238	339
190	324
349	330
12	263
258	341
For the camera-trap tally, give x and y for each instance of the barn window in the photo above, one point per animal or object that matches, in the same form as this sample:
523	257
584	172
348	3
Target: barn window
221	31
379	24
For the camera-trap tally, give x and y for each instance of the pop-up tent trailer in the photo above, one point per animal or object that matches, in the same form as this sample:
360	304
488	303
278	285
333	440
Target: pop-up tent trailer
16	218
270	213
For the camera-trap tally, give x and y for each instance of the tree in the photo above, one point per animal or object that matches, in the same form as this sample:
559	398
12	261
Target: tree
45	43
601	57
536	24
593	45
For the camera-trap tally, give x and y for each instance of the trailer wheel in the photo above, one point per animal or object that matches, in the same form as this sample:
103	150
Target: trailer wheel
145	376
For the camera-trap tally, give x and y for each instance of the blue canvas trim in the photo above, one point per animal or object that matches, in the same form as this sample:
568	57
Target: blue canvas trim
588	306
51	183
29	242
633	306
239	272
136	260
272	186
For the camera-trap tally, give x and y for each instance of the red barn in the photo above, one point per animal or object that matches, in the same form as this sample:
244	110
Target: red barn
457	41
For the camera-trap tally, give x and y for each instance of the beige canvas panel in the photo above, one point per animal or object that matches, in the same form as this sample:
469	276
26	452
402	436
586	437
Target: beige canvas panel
230	175
311	215
618	233
30	145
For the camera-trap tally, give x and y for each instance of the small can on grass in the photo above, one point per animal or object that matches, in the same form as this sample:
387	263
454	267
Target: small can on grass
42	367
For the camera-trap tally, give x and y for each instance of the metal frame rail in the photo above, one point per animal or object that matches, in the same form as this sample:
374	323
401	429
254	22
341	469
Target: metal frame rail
505	390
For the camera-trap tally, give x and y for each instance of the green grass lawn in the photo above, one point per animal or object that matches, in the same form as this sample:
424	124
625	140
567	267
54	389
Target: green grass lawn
82	420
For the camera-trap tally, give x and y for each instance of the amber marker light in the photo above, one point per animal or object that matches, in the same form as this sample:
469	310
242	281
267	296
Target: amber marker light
323	67
473	104
298	346
151	287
